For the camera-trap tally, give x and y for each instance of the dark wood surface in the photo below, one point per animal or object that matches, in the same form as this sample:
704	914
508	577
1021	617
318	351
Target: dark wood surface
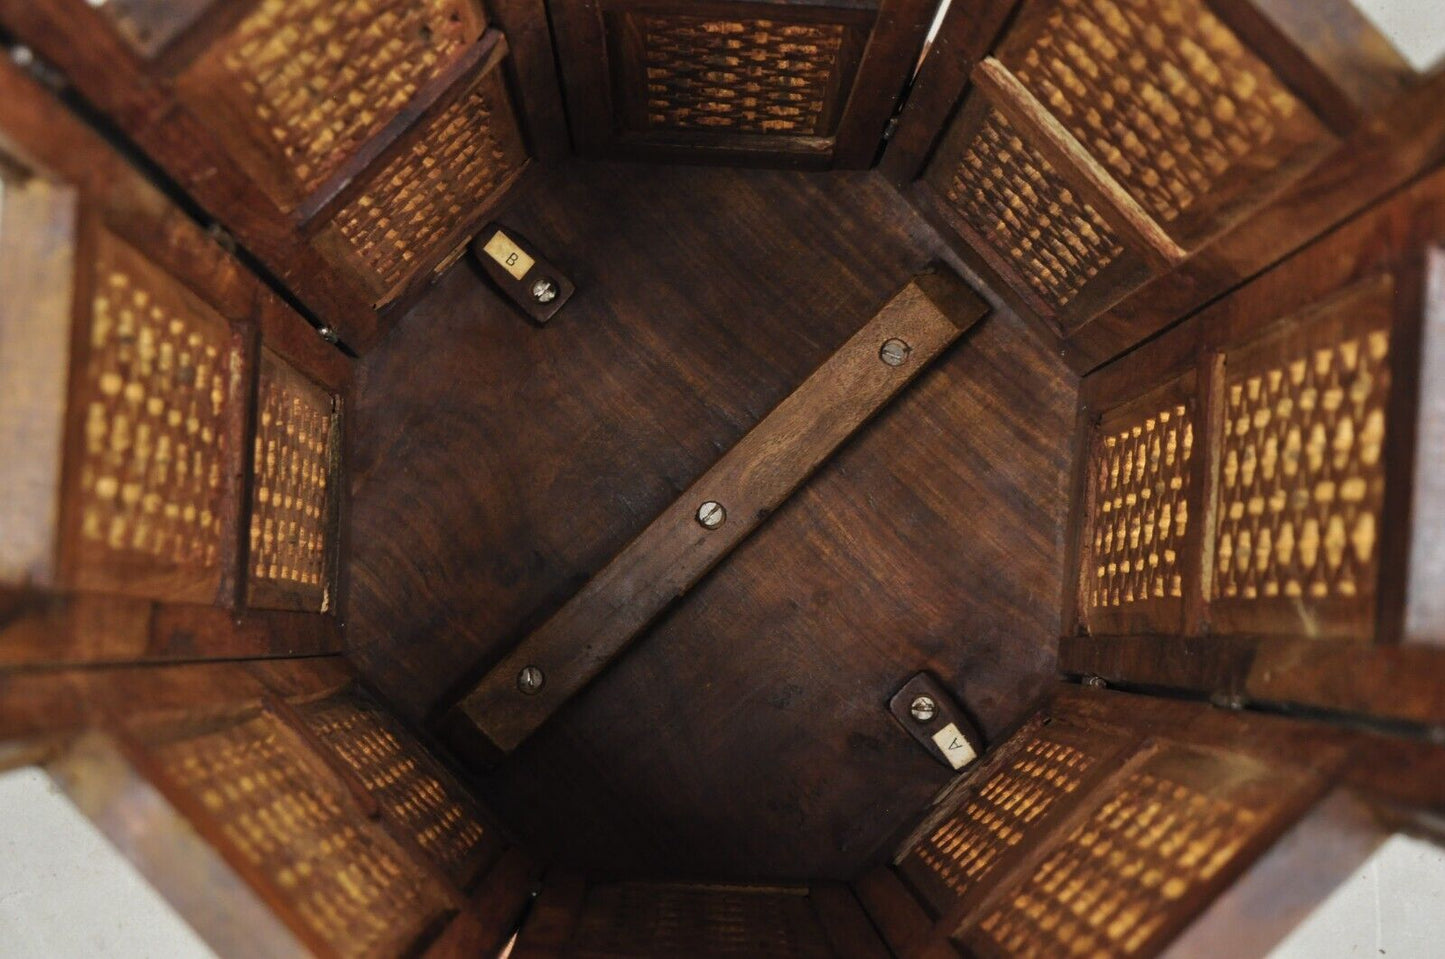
744	487
704	298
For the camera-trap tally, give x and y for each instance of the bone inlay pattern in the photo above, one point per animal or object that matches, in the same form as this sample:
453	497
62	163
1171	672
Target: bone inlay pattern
428	191
322	77
995	818
411	785
158	391
1017	203
357	894
290	510
1119	877
1161	92
750	76
644	919
1142	506
1302	477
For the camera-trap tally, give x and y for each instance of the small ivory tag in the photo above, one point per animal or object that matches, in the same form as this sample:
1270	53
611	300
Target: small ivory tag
955	748
501	248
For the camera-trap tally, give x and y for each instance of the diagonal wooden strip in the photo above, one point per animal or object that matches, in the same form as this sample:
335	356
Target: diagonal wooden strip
750	481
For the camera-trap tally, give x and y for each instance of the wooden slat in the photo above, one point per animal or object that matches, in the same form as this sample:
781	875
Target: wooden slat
750	482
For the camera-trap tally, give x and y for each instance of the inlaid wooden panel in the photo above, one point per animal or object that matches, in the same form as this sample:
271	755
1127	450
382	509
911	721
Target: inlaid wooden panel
1012	201
155	463
708	922
300	85
1142	501
418	792
413	207
1302	471
1168	99
1164	834
1003	810
289	820
748	75
757	81
292	516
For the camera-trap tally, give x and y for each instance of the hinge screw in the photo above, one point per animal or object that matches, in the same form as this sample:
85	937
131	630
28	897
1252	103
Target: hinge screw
710	515
923	708
894	352
544	290
328	334
531	680
1096	682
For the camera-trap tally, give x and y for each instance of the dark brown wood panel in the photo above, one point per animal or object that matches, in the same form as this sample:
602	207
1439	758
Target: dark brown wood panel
704	297
745	486
775	83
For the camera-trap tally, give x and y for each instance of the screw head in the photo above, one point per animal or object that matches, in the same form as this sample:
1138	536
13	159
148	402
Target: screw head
923	708
531	680
710	515
544	289
894	352
328	334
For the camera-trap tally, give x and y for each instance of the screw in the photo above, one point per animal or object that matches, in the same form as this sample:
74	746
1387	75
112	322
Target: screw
711	514
923	708
328	334
894	352
1095	681
544	290
530	680
1232	701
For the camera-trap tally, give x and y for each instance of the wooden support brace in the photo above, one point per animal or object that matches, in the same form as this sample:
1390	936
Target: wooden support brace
718	511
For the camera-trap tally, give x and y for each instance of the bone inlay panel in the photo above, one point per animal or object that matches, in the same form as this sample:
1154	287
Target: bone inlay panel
350	886
750	76
291	498
1142	504
157	390
409	783
1121	880
1302	470
414	204
1161	92
961	851
318	78
1011	197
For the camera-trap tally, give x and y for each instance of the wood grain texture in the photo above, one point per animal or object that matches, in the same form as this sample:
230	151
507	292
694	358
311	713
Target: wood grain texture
749	482
705	297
